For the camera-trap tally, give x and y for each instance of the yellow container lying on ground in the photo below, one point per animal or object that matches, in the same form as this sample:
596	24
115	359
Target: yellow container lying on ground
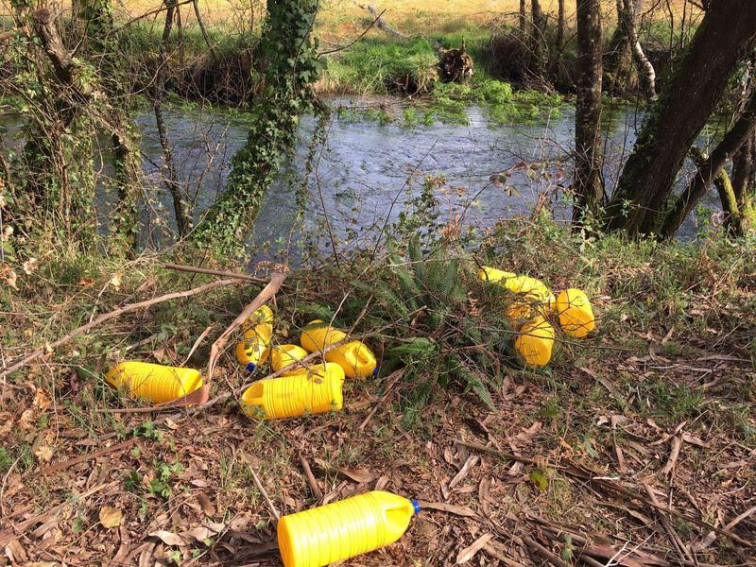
316	389
575	313
355	357
262	315
284	356
535	297
344	529
255	346
535	341
154	382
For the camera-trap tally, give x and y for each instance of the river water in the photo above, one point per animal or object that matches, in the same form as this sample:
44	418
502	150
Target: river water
366	171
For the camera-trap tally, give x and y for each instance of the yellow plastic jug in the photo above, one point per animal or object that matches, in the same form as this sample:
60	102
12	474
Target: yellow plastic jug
283	356
575	313
355	357
255	346
154	382
344	529
262	315
318	335
522	285
535	342
316	390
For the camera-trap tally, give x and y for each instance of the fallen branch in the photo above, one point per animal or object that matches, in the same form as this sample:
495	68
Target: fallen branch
261	488
83	458
262	298
19	363
311	481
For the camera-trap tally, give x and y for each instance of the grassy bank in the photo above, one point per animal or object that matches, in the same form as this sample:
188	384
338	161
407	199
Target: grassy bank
673	361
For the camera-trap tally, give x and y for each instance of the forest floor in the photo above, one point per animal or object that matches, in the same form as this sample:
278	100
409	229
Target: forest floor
636	447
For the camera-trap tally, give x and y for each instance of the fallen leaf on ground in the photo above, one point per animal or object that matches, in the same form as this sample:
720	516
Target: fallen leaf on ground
110	517
358	475
469	552
169	538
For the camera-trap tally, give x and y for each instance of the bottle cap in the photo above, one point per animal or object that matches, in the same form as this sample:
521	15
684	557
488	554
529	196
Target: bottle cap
251	366
375	371
416	506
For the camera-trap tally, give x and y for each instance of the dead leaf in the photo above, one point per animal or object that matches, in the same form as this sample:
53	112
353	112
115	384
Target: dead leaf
169	538
29	266
9	277
42	399
200	534
357	475
469	552
205	504
693	440
110	517
463	511
16	552
464	471
115	281
43	453
26	420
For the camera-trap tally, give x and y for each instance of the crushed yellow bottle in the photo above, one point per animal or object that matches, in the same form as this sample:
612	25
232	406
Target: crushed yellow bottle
262	315
317	389
154	382
532	288
345	529
535	342
575	313
254	348
284	356
355	357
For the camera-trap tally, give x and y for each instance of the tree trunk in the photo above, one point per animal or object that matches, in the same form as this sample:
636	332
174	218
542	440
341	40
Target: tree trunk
538	40
744	170
645	68
171	183
589	192
733	223
726	33
292	67
709	168
523	19
560	29
620	76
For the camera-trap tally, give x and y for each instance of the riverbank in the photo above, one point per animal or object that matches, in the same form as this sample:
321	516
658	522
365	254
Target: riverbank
657	405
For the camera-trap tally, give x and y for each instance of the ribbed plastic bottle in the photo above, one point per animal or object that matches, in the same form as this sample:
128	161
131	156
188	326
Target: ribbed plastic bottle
316	390
284	356
522	285
262	315
255	346
154	382
535	342
355	357
575	313
344	529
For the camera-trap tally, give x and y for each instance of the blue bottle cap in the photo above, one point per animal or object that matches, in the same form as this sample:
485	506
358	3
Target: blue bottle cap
251	366
375	371
416	506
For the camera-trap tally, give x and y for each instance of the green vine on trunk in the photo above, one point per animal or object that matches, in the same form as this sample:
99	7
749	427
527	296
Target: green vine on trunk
292	67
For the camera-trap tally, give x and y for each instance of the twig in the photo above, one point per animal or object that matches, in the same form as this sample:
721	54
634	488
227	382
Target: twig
311	481
392	379
543	552
351	43
674	538
198	342
261	488
222	273
502	454
15	365
673	455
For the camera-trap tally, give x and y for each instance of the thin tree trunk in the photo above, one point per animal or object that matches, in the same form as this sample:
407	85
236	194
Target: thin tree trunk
588	188
183	219
560	29
744	170
201	23
523	19
644	65
733	223
538	40
709	168
690	97
620	75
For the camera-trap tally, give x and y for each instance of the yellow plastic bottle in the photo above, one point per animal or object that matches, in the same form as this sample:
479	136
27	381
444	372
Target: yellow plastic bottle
344	529
575	313
255	346
262	315
283	356
316	390
535	290
355	357
154	382
535	342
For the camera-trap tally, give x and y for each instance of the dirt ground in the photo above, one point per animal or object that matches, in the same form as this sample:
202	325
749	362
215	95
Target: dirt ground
642	453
